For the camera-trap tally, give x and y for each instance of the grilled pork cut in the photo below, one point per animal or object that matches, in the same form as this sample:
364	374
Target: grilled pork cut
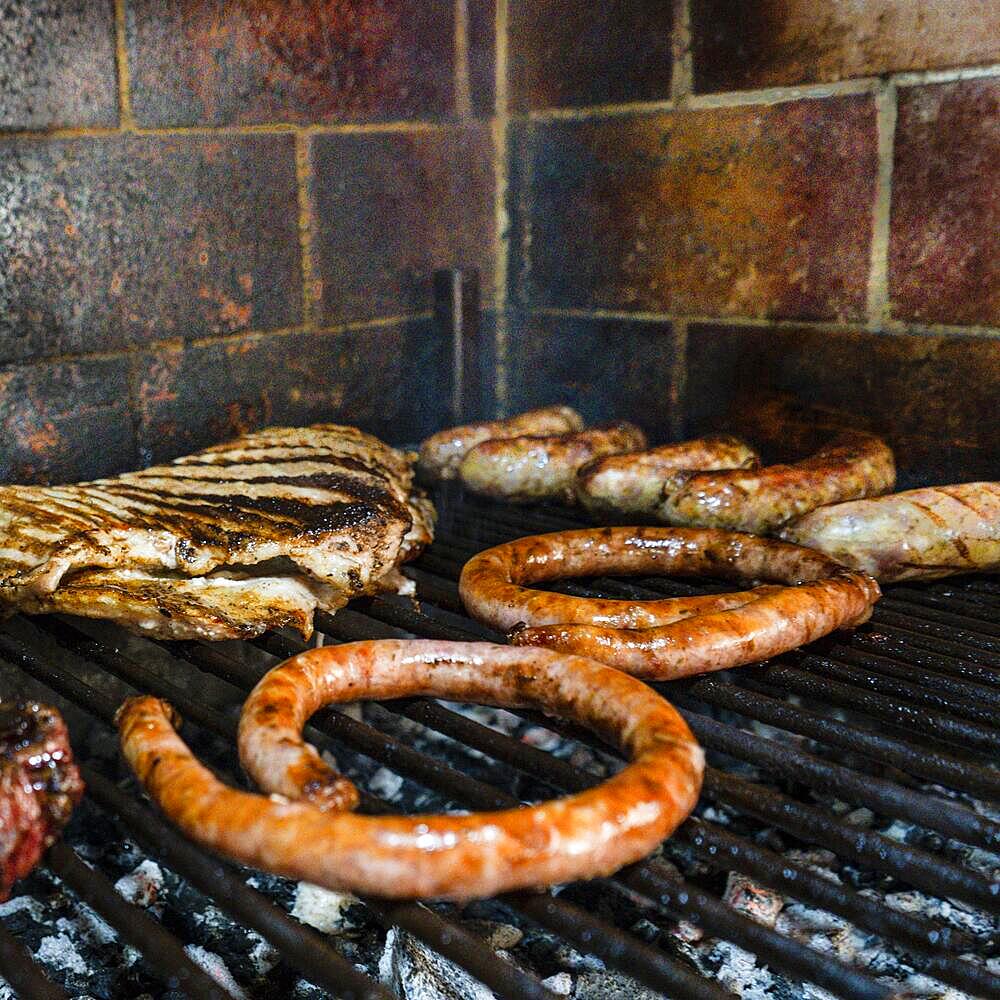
39	786
239	538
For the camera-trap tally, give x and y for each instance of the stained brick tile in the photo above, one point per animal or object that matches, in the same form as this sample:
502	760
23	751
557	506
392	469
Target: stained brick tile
564	53
254	61
778	42
57	64
944	260
482	55
107	242
755	211
390	208
393	381
788	389
609	369
65	421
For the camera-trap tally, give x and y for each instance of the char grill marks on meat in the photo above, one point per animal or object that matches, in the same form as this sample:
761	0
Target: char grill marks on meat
39	786
321	513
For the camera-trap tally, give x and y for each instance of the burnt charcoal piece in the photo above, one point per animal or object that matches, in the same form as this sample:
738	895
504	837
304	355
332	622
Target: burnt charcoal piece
39	786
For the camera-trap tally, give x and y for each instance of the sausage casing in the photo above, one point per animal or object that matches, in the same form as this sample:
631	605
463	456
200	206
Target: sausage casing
454	856
676	637
442	453
529	468
633	483
932	532
851	467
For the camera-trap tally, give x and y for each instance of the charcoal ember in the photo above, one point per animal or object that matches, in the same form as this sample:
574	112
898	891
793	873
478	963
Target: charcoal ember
756	901
561	983
323	909
611	986
39	786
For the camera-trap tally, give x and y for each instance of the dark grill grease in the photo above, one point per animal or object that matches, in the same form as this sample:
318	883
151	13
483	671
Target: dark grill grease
39	786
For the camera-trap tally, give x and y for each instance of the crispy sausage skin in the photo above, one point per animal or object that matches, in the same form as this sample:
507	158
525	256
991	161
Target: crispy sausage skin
851	467
457	857
633	483
442	453
529	468
669	638
928	533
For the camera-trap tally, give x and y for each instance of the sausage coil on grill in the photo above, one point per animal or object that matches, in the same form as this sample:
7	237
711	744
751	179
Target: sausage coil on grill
528	468
457	857
442	453
633	483
853	466
925	533
674	637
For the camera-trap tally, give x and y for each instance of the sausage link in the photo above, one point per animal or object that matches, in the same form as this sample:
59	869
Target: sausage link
442	453
932	532
633	483
851	467
457	857
674	637
528	468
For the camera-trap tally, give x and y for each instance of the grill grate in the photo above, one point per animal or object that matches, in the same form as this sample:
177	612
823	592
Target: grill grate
906	702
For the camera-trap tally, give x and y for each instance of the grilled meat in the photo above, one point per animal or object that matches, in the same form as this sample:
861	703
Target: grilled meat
930	532
442	453
39	786
226	543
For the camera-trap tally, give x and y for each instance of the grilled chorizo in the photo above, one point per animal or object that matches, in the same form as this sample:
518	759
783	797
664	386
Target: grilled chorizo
674	637
453	856
529	468
928	533
442	453
852	466
633	483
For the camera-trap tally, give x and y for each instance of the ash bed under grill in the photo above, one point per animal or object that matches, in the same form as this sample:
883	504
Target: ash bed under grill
845	843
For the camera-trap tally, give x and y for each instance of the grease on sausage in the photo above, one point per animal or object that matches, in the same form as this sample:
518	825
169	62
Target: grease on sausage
442	453
851	467
457	857
529	468
669	638
633	483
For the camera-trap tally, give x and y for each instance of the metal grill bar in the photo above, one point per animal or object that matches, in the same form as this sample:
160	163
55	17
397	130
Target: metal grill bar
19	969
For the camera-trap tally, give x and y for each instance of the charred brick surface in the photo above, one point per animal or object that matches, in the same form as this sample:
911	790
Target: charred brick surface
391	208
259	61
57	64
787	390
482	55
754	211
569	54
65	421
124	240
608	369
779	42
394	381
943	263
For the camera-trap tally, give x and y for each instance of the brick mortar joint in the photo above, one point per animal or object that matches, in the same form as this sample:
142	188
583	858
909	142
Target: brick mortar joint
878	298
690	101
889	327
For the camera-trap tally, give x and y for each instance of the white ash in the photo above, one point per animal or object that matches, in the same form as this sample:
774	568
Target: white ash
263	956
611	986
323	909
578	962
216	968
90	926
59	950
561	983
541	739
143	885
385	784
23	904
415	972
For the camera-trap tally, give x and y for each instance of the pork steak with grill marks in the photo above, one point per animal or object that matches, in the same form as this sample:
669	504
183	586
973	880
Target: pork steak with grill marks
236	539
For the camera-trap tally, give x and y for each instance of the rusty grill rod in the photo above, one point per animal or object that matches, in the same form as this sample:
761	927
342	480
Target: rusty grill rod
19	969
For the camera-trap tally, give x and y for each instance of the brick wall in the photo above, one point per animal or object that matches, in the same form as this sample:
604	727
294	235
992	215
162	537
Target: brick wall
217	215
694	213
777	217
